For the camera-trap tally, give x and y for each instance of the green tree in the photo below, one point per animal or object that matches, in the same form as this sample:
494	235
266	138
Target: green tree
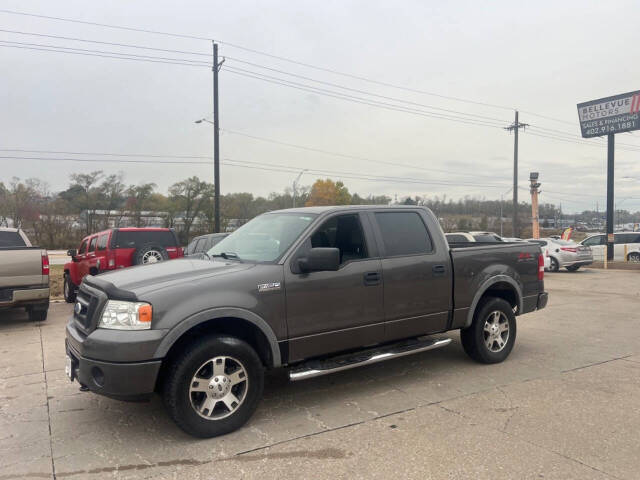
190	198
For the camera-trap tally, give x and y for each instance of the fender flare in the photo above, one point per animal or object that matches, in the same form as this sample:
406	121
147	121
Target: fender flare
485	286
213	313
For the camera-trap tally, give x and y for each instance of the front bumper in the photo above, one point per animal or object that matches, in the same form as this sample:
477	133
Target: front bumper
123	381
115	363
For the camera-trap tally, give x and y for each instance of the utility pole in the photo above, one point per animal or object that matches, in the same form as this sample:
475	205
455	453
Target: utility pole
535	220
515	126
216	141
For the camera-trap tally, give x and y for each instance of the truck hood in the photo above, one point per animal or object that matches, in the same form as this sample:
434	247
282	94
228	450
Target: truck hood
134	282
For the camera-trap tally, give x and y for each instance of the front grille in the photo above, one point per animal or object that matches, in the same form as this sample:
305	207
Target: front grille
89	303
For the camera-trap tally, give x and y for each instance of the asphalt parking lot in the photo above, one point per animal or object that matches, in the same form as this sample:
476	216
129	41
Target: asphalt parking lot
566	404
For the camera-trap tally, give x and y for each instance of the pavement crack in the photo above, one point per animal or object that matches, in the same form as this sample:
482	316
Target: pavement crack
46	392
597	363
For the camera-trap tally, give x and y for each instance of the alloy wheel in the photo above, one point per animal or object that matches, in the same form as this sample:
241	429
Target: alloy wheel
496	331
218	388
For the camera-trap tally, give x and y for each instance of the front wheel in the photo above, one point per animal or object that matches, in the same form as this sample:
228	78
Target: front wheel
555	266
214	386
491	336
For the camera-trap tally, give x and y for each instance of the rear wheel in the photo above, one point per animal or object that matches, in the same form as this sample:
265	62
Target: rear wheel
491	336
37	315
69	289
214	386
573	268
634	257
555	266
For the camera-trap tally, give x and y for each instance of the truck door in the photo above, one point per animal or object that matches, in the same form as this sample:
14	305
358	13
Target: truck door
417	273
336	310
82	263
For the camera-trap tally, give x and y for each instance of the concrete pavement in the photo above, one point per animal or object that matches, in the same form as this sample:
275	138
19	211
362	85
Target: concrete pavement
564	405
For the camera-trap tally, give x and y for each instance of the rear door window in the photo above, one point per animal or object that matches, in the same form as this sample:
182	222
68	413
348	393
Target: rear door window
403	233
11	239
593	241
135	239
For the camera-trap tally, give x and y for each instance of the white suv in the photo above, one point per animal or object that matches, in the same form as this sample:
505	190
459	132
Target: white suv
598	244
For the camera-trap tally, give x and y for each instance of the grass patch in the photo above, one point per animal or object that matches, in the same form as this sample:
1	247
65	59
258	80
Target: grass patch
56	280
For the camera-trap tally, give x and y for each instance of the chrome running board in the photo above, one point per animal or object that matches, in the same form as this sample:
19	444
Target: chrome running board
317	368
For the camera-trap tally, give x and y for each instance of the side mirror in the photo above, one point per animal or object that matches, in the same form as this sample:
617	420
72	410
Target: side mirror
72	252
320	260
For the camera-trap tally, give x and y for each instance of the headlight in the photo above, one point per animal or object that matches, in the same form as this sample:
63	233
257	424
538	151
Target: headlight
119	315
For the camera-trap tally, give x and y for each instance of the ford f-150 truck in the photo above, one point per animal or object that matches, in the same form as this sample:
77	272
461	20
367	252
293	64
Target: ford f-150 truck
314	290
24	275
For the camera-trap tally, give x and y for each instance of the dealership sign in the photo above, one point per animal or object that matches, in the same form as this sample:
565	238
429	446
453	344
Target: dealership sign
617	114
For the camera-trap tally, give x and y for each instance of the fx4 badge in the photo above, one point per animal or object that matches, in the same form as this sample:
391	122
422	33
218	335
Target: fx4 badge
267	287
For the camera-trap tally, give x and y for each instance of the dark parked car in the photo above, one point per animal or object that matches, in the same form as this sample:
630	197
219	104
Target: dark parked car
203	243
315	290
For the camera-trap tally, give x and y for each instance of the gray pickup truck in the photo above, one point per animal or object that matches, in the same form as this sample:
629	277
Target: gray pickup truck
24	275
313	290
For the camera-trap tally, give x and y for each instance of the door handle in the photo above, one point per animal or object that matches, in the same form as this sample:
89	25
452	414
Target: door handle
371	278
438	270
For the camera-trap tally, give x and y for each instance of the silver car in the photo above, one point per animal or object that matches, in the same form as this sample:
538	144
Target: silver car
568	254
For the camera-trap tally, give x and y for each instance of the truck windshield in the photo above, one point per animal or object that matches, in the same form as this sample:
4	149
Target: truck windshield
265	238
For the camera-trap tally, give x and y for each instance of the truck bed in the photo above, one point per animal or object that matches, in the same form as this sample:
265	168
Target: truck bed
474	263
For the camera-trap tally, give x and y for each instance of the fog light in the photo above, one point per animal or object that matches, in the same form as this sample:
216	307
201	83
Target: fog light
98	376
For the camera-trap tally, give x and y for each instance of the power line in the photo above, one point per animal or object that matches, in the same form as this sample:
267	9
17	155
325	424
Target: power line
353	157
128	45
240	47
263	166
106	25
358	90
103	56
145	155
123	54
351	98
269	55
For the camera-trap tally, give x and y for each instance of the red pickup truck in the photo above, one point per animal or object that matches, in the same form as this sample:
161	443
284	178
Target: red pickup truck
118	248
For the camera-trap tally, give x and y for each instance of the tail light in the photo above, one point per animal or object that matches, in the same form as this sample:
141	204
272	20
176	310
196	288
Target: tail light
569	249
540	267
45	263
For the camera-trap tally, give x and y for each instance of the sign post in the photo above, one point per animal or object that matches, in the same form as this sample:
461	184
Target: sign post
608	116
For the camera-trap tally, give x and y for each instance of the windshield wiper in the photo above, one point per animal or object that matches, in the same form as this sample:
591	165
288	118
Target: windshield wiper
227	255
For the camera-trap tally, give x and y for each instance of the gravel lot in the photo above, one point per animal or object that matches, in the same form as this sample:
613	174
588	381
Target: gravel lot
564	405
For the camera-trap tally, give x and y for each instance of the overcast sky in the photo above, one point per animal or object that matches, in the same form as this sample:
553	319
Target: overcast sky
539	57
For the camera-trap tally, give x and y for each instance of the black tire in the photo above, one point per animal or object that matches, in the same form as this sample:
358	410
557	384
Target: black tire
555	266
68	289
179	401
37	315
150	253
634	257
573	268
474	339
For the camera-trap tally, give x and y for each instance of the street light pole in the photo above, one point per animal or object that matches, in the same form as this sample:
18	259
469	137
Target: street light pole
295	185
